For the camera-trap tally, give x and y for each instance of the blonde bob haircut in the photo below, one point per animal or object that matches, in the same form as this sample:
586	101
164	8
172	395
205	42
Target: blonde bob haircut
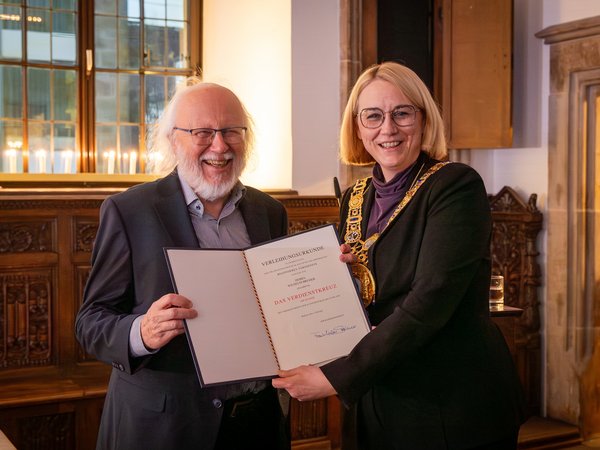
162	159
433	141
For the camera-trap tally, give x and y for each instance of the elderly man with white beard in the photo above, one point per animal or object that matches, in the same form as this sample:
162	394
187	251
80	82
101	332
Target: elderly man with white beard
130	317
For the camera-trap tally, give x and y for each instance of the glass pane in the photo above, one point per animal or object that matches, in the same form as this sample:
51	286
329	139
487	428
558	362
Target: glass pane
40	153
155	9
70	5
64	160
129	8
38	35
64	39
129	44
172	83
65	95
11	142
10	33
177	45
176	10
154	31
106	147
40	3
129	136
11	92
106	42
105	7
155	97
64	137
129	98
14	2
106	97
38	94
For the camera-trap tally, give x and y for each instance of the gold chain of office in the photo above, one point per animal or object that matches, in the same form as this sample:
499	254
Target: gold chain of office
353	236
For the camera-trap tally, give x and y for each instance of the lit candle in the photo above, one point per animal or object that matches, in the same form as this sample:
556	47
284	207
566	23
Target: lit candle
67	159
111	162
41	160
12	160
132	162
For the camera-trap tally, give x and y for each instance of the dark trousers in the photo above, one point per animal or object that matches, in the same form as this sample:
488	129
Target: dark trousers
253	421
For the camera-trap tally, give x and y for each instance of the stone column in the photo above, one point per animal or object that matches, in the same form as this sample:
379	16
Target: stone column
573	290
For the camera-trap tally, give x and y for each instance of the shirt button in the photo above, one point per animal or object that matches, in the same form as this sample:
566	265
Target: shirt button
217	403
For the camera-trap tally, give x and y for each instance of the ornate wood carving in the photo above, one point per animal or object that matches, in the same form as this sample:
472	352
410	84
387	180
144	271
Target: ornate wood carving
296	226
50	203
26	325
309	419
53	432
85	233
515	227
26	236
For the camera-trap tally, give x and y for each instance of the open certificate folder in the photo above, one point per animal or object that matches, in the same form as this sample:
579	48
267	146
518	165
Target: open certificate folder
279	304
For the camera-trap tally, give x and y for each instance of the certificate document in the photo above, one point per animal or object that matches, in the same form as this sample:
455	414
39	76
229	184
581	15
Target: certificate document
277	305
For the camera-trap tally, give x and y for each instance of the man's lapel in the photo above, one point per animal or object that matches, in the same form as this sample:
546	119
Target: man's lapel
173	213
256	218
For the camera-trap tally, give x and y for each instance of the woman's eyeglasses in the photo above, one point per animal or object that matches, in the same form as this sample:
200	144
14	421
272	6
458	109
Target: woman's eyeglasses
403	116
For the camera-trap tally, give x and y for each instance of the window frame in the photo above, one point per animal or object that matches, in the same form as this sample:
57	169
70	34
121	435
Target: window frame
85	133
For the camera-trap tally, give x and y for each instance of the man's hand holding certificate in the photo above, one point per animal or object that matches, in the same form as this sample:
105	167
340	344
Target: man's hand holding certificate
278	305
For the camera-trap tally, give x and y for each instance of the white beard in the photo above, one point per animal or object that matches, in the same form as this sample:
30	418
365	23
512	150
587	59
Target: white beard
191	171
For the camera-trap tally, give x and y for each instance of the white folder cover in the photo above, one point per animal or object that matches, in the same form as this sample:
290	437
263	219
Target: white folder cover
279	304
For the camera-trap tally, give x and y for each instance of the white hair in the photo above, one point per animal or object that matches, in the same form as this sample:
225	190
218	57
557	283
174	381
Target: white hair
161	155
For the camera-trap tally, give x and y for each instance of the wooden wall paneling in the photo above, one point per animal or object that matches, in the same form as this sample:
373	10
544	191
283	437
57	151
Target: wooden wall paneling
515	228
48	384
47	399
309	212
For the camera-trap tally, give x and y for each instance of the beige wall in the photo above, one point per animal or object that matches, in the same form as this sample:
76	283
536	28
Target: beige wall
247	47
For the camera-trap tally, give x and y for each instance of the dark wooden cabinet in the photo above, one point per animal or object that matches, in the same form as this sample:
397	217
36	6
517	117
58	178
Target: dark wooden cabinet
473	71
462	49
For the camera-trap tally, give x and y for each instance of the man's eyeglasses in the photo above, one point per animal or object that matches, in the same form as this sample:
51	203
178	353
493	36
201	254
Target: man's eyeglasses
403	116
205	136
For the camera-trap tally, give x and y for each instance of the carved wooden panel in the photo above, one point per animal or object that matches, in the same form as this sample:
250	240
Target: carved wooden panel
295	226
309	419
26	236
51	394
25	302
305	213
85	233
515	228
58	425
52	432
